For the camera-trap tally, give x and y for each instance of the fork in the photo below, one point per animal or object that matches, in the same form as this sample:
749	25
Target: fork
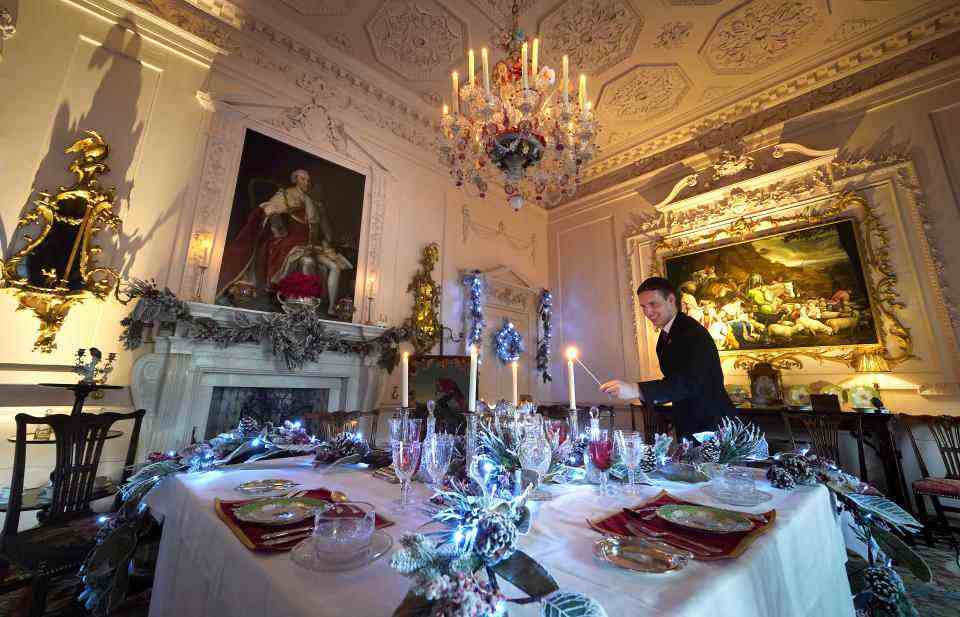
644	530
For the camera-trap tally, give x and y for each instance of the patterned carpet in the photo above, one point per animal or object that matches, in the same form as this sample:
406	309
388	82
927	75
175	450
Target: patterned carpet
937	599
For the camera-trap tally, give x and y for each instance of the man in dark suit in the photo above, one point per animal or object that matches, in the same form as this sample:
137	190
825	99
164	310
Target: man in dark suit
692	375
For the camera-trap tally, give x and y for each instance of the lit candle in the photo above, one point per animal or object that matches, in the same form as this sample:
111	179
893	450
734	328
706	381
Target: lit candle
405	380
523	65
536	55
582	95
486	71
446	110
470	71
565	84
456	93
516	395
472	395
571	387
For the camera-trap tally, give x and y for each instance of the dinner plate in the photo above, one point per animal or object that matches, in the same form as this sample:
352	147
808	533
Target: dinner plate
756	498
304	555
279	510
267	487
705	518
639	555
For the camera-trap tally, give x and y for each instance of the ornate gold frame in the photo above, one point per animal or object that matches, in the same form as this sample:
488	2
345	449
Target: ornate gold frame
874	243
53	299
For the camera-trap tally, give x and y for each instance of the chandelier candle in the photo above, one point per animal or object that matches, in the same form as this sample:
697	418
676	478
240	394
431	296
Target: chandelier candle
523	66
472	394
405	380
565	84
571	387
582	94
536	54
486	72
516	395
470	74
456	93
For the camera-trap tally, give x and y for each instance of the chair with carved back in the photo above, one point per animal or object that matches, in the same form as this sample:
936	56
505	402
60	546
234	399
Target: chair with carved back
652	423
945	431
561	412
824	429
68	527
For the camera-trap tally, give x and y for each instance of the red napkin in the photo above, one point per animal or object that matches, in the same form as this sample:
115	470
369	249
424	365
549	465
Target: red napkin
251	534
729	545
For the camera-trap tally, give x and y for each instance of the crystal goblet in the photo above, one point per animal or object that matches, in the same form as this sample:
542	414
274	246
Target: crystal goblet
406	456
630	444
601	455
437	452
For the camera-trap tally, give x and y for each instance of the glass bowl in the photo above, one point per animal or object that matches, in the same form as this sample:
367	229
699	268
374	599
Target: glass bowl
342	532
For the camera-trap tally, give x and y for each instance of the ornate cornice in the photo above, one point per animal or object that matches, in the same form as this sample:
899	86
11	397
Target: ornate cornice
818	87
7	28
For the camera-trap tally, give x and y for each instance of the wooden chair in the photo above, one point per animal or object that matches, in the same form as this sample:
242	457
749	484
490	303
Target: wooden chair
561	412
651	422
329	424
68	527
824	432
946	434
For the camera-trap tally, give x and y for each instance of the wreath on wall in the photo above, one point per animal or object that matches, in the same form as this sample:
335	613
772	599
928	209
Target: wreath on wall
508	343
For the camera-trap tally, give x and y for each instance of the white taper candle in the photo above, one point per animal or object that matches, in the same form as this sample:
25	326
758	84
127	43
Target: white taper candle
405	380
516	390
472	387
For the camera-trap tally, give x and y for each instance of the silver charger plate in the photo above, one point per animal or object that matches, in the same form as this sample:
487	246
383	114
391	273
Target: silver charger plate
268	487
303	555
758	498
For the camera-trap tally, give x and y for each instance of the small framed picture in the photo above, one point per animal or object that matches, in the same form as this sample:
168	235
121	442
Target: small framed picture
766	387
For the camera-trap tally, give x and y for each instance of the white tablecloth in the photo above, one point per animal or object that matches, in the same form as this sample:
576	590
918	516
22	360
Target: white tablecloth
204	571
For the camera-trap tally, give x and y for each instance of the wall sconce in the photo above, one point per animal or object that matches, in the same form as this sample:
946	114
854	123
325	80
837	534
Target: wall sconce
200	245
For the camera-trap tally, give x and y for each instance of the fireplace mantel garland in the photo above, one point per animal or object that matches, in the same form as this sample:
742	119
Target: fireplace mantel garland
297	337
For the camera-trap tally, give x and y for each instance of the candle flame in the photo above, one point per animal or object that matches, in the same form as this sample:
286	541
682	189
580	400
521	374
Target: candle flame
406	355
571	353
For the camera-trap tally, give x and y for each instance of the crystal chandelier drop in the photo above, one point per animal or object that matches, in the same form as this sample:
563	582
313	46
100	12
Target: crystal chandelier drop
518	126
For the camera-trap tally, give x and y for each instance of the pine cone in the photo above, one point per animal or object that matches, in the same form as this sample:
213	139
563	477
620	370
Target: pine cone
781	478
799	468
248	426
885	584
496	538
648	461
710	451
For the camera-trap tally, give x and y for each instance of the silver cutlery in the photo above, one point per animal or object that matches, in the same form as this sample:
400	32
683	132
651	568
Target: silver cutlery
286	540
289	532
667	537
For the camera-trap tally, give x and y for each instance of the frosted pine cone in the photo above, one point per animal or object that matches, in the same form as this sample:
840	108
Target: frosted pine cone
248	426
496	538
885	584
781	478
710	451
799	468
648	461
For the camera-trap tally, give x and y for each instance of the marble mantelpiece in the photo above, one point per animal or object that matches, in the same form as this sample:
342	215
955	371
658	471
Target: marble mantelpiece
174	381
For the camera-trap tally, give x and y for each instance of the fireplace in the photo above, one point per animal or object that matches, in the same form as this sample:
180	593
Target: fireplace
273	405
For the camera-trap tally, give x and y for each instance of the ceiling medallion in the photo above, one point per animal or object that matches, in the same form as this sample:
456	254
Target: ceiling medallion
517	126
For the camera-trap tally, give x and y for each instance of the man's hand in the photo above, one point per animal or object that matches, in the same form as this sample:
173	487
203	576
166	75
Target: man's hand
624	390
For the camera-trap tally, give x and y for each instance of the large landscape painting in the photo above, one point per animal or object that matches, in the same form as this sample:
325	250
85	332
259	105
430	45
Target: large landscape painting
294	232
802	288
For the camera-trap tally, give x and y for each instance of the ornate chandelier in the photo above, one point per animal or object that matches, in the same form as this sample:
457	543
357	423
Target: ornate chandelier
518	126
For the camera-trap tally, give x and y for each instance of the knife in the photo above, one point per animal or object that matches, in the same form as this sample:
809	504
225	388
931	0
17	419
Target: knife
289	532
673	539
286	539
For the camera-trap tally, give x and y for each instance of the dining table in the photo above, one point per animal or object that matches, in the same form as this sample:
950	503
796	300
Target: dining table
797	568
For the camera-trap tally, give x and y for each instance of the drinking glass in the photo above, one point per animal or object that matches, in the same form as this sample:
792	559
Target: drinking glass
437	454
403	428
342	532
630	444
736	486
601	455
406	456
536	455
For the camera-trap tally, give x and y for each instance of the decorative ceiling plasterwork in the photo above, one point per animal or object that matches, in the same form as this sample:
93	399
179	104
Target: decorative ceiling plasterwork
501	11
884	61
760	32
7	28
642	92
851	28
673	35
331	8
383	109
596	34
415	41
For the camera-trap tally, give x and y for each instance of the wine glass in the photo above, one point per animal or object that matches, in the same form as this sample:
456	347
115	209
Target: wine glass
630	444
601	455
403	428
406	456
437	454
536	455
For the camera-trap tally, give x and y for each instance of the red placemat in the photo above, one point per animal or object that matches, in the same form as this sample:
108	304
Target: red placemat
729	545
250	534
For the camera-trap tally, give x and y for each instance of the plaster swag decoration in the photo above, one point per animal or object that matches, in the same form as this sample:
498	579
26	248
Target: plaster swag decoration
500	231
7	28
823	189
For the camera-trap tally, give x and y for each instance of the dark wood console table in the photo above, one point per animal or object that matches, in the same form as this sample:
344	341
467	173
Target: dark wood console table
858	423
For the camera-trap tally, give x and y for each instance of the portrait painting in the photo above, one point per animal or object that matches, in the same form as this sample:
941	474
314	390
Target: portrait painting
803	288
294	231
443	380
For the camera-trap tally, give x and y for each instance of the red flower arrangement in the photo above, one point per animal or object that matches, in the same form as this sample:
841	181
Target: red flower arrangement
299	285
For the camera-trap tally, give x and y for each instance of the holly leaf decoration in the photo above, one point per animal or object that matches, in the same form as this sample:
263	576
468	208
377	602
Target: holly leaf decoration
570	604
524	573
897	550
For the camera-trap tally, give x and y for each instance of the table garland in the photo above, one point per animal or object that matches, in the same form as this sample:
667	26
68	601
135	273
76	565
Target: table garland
545	312
296	337
476	323
508	343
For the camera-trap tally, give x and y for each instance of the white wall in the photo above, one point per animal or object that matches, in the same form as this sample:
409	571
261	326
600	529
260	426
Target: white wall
70	68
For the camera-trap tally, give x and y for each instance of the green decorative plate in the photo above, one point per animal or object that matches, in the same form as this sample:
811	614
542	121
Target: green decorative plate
704	518
279	510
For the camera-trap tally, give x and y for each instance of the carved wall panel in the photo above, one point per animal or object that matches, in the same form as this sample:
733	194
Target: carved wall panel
760	32
596	34
418	41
